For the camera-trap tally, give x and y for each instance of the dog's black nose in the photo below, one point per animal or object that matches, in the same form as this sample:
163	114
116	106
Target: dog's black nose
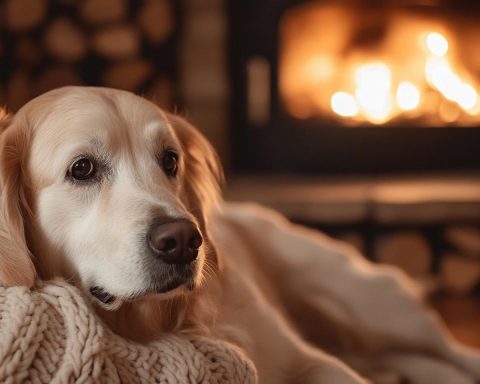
176	242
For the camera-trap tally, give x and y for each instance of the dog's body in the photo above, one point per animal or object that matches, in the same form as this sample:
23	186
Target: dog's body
277	275
101	187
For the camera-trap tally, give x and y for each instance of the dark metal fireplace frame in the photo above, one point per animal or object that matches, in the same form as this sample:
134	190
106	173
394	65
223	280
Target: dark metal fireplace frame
285	145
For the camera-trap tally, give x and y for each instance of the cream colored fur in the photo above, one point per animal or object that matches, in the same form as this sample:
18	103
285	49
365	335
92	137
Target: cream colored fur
257	277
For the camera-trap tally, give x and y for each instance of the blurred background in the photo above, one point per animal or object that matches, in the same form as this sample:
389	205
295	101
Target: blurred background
357	117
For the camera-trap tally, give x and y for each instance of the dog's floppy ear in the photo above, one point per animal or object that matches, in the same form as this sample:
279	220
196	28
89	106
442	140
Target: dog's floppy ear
203	173
16	266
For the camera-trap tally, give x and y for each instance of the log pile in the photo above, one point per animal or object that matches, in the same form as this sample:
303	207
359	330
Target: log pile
117	43
460	269
448	261
407	250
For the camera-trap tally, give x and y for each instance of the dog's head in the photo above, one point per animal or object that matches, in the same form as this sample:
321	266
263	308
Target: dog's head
101	186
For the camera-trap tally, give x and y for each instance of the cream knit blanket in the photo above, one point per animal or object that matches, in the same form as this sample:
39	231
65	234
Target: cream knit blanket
51	335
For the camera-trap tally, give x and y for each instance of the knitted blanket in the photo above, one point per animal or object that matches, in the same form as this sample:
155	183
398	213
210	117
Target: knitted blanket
52	335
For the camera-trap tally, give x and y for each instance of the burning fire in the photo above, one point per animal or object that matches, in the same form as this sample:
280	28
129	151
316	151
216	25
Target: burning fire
409	81
376	99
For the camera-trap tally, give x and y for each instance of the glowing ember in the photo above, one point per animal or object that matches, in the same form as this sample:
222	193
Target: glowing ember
408	96
437	44
413	71
441	76
372	92
344	104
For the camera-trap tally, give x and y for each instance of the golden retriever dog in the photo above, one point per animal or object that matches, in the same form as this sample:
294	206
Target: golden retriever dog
102	188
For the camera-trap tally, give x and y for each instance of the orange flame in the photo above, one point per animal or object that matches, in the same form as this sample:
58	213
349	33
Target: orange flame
375	86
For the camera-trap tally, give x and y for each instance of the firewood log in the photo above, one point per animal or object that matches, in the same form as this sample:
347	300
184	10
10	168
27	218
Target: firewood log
103	11
459	274
156	20
117	42
22	15
406	250
128	75
65	40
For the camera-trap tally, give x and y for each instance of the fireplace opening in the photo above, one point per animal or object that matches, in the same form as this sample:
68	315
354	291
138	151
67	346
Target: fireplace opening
384	67
358	87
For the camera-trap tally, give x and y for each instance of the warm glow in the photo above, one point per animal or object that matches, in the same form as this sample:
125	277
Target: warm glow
475	110
437	44
467	97
319	68
408	70
442	77
372	92
408	96
344	104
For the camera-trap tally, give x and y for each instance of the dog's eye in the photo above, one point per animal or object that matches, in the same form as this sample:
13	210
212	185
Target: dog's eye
170	163
82	169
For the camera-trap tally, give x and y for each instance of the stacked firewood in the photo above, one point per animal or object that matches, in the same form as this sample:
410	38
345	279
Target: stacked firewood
446	261
124	44
460	270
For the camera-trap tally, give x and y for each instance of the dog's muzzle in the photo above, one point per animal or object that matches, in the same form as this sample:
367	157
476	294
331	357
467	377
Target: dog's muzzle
173	250
175	242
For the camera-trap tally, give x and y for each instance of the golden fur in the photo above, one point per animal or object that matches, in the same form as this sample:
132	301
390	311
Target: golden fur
257	277
31	133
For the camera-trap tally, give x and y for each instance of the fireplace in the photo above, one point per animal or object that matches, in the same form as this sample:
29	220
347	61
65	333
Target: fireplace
357	87
282	121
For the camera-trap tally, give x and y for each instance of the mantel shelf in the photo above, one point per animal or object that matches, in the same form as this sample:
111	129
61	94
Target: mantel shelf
387	200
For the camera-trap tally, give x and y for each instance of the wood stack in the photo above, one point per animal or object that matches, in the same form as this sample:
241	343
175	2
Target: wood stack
460	268
354	239
24	15
454	268
117	43
408	250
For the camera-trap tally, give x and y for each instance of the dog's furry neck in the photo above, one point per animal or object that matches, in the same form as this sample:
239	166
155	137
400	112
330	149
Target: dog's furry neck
147	319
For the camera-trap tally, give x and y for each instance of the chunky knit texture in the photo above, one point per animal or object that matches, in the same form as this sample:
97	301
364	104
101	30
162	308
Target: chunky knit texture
52	335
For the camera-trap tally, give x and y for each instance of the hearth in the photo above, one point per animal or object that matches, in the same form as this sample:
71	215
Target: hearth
354	86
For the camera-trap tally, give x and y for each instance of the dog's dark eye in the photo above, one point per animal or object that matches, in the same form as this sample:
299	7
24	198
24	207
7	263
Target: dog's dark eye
170	163
82	169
